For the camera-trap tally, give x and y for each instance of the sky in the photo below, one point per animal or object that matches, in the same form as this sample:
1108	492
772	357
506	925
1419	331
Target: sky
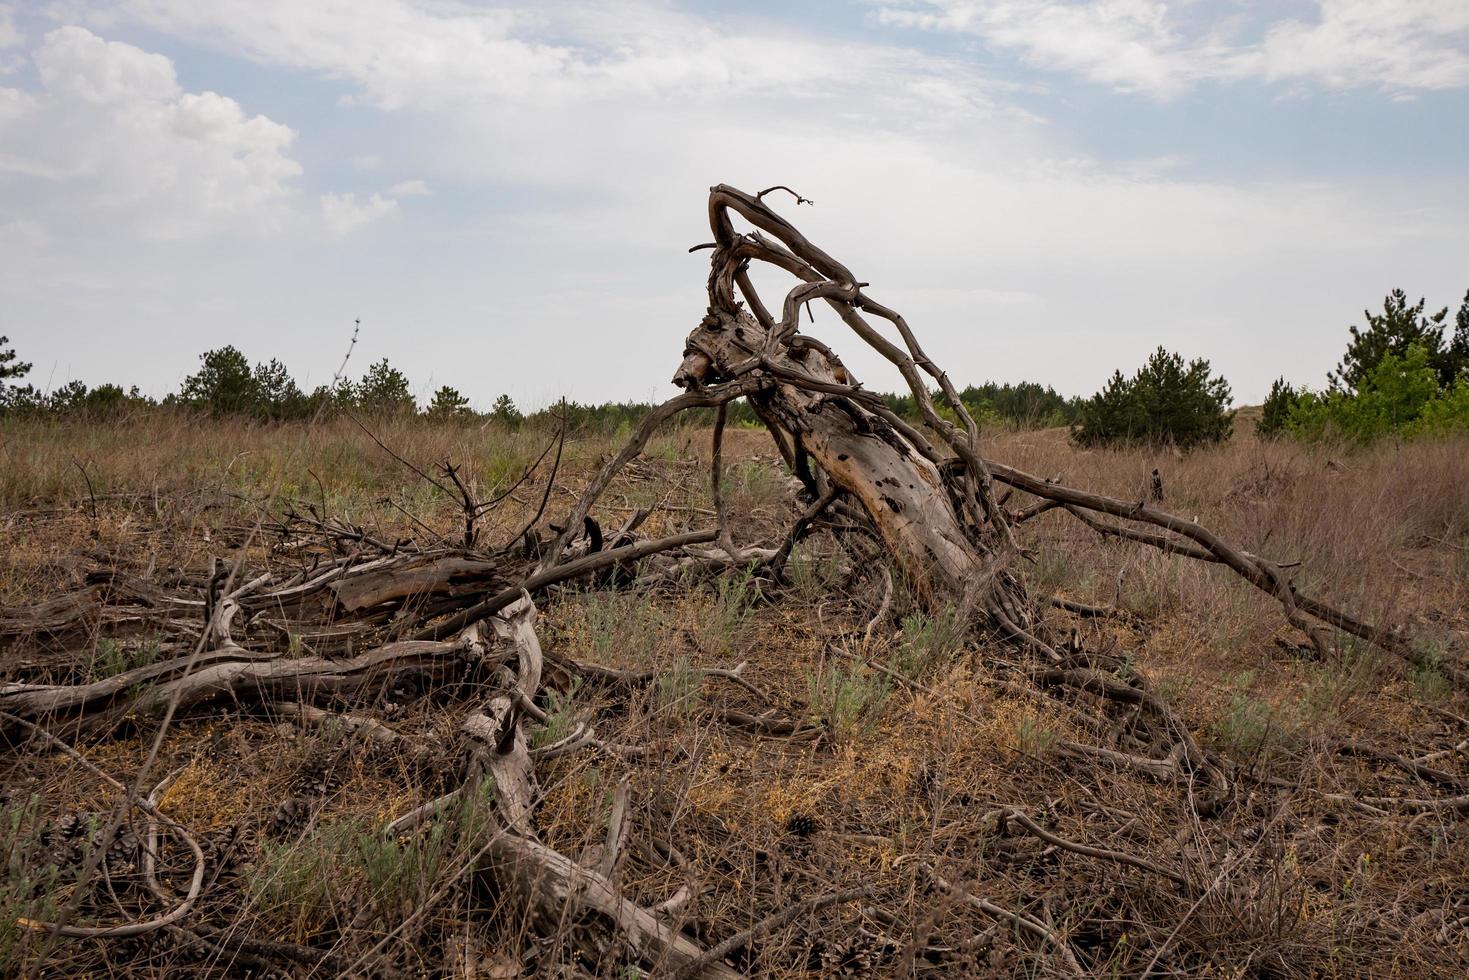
504	194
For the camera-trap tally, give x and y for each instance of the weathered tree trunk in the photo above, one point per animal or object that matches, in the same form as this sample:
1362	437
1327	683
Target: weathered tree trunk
933	511
904	494
931	502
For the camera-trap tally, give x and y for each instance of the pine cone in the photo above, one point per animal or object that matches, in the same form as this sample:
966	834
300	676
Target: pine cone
124	852
802	825
858	955
291	817
229	848
148	945
72	826
318	777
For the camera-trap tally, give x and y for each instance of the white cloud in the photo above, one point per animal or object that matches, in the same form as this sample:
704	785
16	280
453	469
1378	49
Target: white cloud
23	233
620	83
344	213
428	54
10	35
112	137
75	63
1127	43
1162	48
1407	44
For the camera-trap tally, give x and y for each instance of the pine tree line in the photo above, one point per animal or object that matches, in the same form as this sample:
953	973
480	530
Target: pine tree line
227	385
1402	374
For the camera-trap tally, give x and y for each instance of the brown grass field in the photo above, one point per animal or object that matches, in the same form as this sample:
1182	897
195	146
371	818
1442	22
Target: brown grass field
1343	853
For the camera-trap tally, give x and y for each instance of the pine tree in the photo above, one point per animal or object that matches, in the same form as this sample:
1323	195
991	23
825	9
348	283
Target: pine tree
448	403
223	385
1398	327
1278	404
1166	401
1457	355
385	390
9	366
276	391
505	412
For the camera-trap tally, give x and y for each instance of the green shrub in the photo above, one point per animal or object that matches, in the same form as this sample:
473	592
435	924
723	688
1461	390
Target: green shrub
1399	396
1446	413
347	870
615	627
813	574
1034	737
751	483
722	621
561	712
113	658
1165	402
1253	729
927	641
677	691
846	700
1430	683
1399	377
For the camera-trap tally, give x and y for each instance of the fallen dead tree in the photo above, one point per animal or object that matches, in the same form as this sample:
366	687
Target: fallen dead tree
440	615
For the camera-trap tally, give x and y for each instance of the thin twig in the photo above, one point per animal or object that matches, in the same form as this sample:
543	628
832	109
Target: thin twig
1020	920
1101	853
768	924
550	483
91	491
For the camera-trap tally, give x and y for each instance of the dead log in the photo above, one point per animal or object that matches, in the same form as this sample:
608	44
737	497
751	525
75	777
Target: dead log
240	674
903	493
940	524
421	581
60	614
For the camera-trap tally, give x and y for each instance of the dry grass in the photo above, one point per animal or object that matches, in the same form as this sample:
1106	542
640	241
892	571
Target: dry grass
901	778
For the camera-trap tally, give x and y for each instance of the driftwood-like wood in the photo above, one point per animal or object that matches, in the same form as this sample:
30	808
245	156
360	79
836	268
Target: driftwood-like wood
55	615
928	496
442	577
545	877
557	882
239	674
903	493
